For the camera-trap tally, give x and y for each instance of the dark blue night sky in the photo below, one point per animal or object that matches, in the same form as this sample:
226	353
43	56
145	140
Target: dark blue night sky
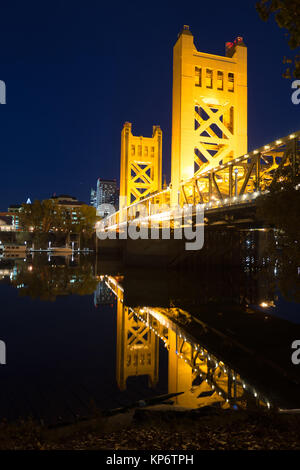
76	71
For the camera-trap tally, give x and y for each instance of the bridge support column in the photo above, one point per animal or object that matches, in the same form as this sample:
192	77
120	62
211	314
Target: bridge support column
137	348
141	165
209	115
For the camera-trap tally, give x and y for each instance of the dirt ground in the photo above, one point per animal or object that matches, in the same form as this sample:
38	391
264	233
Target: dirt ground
157	429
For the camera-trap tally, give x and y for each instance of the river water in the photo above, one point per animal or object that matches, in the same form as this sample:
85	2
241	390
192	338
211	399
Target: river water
83	334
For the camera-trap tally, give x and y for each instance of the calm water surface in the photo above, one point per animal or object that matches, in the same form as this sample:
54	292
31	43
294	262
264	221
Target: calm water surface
83	334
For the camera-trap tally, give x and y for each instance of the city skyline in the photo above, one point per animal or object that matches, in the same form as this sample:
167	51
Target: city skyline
65	93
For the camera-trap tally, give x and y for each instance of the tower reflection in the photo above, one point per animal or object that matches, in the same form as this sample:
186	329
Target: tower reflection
204	378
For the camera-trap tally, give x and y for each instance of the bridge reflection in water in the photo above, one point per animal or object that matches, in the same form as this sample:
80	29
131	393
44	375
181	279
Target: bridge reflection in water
204	378
216	320
205	328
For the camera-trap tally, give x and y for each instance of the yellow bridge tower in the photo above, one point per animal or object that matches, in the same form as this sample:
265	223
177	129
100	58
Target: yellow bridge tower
137	348
209	116
141	159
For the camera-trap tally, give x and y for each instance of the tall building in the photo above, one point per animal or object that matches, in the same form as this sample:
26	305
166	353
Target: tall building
103	295
93	198
14	210
107	193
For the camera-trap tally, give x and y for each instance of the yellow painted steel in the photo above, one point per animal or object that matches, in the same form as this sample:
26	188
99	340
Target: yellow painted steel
210	163
209	116
191	368
137	349
141	160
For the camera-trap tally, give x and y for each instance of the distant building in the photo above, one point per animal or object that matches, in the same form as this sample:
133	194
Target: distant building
103	295
70	203
6	222
10	220
107	193
66	200
14	211
93	198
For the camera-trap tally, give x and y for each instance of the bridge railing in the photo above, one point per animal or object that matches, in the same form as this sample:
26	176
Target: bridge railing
239	179
236	181
151	206
225	383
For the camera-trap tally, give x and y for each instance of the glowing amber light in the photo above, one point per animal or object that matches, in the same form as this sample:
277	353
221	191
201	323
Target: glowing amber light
209	93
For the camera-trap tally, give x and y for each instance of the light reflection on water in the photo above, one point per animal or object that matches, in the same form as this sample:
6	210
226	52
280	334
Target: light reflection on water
81	334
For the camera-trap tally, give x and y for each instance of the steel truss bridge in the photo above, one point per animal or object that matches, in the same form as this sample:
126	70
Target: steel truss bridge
235	183
203	377
210	164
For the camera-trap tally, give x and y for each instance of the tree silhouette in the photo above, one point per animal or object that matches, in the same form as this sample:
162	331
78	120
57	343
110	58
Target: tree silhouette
287	16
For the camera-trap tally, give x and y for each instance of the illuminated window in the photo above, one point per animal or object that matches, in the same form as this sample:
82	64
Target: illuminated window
230	82
132	150
145	151
152	150
140	150
198	76
220	79
209	78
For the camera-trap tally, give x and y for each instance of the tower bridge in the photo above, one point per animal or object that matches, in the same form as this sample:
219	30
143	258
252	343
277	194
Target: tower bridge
210	163
209	361
203	377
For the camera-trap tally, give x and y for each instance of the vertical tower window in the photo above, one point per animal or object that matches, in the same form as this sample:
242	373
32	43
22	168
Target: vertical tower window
230	81
132	150
139	150
198	76
220	80
209	78
231	121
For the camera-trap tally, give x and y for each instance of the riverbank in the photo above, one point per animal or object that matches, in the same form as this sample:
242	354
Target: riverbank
154	429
